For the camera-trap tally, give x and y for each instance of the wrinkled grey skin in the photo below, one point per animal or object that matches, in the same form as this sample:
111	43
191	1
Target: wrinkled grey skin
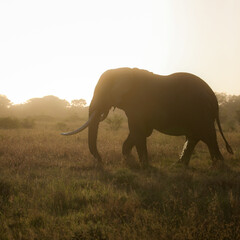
177	104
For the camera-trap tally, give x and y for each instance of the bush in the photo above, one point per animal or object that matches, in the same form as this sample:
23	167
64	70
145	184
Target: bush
114	122
61	126
28	123
9	123
238	116
13	123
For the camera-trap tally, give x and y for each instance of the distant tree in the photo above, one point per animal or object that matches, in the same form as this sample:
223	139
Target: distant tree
79	103
5	104
229	106
48	105
222	98
78	109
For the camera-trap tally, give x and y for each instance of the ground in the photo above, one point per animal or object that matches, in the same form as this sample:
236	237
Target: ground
50	188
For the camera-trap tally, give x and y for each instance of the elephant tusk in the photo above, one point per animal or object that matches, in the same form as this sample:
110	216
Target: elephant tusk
85	125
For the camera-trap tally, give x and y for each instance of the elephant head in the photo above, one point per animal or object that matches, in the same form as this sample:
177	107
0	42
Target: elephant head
109	92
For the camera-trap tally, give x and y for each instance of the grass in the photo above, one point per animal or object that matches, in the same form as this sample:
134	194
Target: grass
50	188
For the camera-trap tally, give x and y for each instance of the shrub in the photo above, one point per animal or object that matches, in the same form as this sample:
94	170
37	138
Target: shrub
61	126
27	123
238	116
13	123
114	122
73	118
230	125
9	123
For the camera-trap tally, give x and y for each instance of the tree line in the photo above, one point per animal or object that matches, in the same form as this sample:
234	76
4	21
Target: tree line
54	107
50	106
229	106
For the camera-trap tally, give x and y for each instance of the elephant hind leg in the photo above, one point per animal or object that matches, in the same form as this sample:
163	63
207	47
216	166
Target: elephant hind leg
127	146
214	151
188	150
137	137
211	141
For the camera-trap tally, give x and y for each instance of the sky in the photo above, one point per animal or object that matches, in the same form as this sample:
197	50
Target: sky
55	47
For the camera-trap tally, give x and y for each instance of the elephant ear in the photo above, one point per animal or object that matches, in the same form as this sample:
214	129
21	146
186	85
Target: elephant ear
120	90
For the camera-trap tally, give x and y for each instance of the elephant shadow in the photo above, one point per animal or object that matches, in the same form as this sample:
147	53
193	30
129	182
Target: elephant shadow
155	187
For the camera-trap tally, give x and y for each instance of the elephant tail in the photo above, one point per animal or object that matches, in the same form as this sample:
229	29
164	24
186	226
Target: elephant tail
229	149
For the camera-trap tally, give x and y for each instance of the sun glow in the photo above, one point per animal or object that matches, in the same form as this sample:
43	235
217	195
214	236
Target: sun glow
61	48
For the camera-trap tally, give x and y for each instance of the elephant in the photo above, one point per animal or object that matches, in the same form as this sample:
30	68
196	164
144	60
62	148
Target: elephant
176	104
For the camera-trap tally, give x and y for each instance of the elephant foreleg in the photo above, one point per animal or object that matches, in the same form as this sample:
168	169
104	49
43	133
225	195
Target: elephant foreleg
141	146
138	137
187	150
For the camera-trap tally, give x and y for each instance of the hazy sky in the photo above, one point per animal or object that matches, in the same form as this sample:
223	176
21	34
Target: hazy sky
61	48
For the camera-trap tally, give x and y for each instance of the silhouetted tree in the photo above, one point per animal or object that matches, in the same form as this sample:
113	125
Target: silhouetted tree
49	105
78	109
222	98
78	103
5	104
229	106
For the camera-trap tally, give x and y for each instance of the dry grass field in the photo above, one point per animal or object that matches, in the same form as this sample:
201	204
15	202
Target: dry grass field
50	188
